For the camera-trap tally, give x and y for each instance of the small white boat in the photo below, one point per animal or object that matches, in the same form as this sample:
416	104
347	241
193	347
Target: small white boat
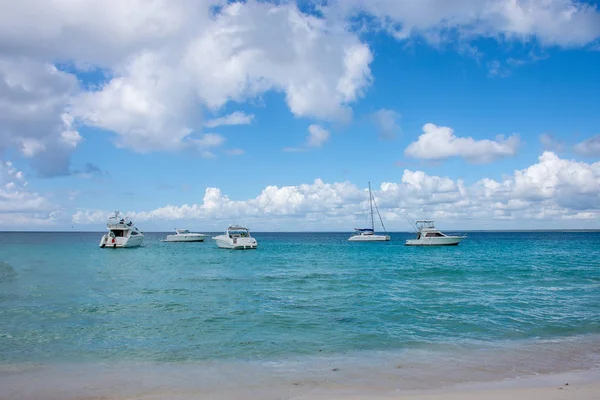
121	233
429	235
184	235
236	238
368	234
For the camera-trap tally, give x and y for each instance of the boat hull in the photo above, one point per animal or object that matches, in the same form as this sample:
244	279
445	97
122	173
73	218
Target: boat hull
121	242
369	238
435	241
224	242
185	238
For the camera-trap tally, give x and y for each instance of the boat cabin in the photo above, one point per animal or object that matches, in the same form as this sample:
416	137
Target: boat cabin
182	231
237	231
426	229
364	232
120	227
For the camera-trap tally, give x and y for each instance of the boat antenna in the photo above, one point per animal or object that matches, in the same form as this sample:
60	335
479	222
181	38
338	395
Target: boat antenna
377	209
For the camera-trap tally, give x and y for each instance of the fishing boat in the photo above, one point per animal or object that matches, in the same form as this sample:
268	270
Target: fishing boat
368	234
429	235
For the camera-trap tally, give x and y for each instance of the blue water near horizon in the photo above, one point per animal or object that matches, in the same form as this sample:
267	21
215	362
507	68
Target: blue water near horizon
63	299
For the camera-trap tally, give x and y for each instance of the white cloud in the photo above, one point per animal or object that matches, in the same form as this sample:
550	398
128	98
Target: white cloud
553	191
589	147
34	116
565	23
439	142
317	136
235	118
153	100
554	181
20	207
166	61
387	123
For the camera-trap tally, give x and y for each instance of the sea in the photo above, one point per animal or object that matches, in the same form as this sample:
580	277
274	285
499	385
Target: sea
305	313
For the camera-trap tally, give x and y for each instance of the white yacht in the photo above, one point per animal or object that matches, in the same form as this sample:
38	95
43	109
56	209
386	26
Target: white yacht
184	235
429	235
236	238
368	234
121	233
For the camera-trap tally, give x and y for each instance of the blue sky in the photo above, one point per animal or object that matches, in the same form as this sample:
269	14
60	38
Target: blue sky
321	106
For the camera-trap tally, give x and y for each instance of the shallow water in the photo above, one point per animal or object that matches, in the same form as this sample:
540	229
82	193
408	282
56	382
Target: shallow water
303	302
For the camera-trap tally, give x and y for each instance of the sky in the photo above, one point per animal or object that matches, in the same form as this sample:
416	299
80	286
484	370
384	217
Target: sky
479	114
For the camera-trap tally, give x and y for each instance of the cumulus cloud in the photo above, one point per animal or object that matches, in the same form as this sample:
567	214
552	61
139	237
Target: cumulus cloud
387	123
240	52
20	206
565	23
439	142
589	147
165	62
34	116
235	118
552	190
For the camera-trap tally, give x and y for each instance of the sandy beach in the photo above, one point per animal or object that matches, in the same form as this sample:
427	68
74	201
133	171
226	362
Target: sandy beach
580	385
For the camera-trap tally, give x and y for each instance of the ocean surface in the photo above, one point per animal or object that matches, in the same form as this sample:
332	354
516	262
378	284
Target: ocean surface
304	311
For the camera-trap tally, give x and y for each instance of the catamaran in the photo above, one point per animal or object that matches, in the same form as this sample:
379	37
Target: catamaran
368	234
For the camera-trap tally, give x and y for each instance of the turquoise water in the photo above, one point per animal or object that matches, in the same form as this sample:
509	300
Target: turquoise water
300	296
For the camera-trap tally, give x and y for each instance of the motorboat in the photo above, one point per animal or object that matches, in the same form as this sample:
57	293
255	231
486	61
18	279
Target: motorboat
236	238
121	233
429	235
184	235
368	234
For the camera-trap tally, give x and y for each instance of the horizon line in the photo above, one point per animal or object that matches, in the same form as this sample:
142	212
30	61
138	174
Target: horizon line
348	231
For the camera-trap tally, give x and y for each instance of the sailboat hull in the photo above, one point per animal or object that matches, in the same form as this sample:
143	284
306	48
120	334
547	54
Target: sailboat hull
369	238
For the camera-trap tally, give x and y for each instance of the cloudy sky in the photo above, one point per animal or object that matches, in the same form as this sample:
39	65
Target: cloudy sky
480	114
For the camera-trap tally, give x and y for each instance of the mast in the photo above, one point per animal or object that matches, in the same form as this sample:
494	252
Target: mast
379	215
371	205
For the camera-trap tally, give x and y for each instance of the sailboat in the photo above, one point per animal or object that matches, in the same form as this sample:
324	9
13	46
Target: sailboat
368	234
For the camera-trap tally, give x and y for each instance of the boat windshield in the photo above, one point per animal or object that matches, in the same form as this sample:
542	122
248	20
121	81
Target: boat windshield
239	233
433	234
182	231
